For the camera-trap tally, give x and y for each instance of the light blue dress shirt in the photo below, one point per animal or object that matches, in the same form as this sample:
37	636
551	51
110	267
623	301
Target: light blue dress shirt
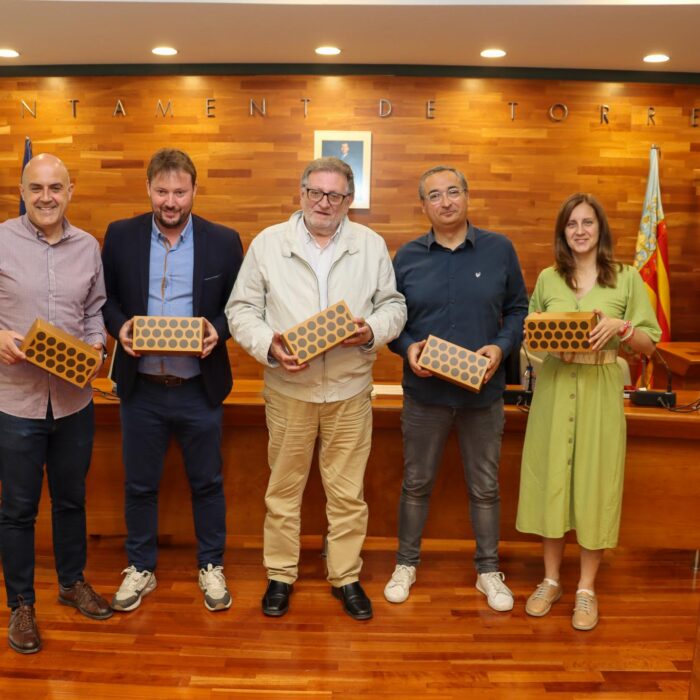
170	279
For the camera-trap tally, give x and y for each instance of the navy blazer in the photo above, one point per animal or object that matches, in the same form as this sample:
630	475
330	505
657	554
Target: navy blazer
218	255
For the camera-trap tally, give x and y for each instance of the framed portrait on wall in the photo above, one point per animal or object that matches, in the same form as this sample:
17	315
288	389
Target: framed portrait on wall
354	148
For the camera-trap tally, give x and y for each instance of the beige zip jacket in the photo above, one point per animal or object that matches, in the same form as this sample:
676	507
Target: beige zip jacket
276	288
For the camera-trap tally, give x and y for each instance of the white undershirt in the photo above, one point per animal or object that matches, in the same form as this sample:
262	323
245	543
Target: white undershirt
320	260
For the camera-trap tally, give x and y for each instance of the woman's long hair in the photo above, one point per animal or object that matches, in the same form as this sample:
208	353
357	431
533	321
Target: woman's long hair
565	264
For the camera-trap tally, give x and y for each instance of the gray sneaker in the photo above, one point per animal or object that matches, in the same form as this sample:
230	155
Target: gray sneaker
135	585
213	584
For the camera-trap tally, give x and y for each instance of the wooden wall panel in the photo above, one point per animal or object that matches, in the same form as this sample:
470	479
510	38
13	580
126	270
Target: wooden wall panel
519	170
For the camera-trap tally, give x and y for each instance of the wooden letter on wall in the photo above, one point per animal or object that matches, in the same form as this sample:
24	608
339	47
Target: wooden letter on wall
26	107
164	110
254	107
385	107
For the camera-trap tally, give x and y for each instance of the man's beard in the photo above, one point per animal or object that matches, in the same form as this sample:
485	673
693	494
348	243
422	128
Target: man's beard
172	224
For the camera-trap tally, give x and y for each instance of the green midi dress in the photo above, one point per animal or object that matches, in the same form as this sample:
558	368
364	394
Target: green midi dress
573	460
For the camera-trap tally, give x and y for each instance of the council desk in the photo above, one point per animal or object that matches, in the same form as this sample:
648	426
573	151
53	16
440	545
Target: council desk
660	504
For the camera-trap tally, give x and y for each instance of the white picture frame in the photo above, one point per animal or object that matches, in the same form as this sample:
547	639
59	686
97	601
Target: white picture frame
354	148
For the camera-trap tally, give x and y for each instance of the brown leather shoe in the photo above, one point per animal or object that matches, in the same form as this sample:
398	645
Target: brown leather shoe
80	595
22	633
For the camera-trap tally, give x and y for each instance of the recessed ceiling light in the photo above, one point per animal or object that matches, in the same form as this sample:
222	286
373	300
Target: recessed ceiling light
493	53
327	50
8	53
656	58
164	51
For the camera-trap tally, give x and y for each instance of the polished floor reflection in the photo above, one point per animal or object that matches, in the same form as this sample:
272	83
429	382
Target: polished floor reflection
444	642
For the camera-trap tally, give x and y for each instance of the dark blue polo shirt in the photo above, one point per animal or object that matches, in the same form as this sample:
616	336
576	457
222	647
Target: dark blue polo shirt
472	296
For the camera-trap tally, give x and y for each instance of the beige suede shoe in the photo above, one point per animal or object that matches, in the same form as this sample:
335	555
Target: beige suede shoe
541	601
585	615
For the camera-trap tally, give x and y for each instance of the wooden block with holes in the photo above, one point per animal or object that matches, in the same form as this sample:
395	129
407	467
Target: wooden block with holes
168	335
560	332
320	333
454	363
60	353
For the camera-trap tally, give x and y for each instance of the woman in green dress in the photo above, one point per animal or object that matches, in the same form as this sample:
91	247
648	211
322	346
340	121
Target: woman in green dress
574	454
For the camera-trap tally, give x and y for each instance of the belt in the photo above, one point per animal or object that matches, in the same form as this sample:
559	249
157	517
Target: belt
165	379
602	357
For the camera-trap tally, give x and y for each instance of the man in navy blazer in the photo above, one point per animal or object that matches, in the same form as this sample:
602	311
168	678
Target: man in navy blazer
171	263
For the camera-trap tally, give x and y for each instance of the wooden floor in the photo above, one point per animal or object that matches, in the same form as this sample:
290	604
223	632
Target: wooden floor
444	643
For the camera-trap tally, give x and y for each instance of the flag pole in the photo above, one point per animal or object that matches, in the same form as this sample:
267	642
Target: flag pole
27	156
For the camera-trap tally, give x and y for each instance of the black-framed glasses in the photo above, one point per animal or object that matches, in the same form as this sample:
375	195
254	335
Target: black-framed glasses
334	198
453	194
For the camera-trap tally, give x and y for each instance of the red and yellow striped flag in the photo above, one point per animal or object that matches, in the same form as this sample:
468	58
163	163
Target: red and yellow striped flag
651	258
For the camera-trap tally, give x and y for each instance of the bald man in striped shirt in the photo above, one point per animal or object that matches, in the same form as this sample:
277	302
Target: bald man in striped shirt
51	270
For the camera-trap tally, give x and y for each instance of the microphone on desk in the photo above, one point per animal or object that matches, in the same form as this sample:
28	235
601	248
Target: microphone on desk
521	396
529	369
648	397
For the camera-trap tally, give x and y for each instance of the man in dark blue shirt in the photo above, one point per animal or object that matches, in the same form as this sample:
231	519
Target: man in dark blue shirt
464	285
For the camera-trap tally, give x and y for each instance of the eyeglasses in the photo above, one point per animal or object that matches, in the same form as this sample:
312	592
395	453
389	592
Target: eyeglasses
453	194
334	198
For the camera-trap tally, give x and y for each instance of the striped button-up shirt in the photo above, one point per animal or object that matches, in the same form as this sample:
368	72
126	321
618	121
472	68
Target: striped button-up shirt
60	283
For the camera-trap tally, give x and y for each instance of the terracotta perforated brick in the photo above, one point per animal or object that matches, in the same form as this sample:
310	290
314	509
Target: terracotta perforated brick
320	332
168	335
560	332
60	353
454	363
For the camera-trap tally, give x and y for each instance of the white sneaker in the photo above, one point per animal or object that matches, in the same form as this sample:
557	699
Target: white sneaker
213	584
499	596
135	585
396	591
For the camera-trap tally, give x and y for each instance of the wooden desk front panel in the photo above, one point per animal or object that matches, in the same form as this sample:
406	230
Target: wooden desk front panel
695	673
660	499
683	359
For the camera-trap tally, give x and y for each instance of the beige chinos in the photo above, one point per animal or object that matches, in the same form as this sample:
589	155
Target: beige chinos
344	430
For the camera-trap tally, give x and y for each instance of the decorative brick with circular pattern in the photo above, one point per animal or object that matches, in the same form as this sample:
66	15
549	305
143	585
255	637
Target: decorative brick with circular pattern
60	353
319	333
168	335
559	332
454	363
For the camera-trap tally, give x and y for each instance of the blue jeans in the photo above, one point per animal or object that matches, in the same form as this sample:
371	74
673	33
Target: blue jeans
150	416
64	445
425	428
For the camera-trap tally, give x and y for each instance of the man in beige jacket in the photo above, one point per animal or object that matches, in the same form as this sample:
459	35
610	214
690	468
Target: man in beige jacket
292	271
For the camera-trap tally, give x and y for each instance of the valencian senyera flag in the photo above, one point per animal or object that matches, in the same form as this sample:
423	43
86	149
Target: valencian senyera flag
27	157
651	258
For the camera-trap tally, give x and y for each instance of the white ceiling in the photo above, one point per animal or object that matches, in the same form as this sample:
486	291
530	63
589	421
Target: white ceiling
545	34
